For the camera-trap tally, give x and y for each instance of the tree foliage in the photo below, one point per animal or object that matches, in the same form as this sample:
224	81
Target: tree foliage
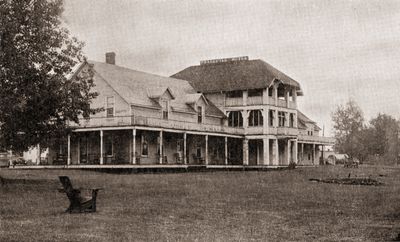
38	97
380	138
348	125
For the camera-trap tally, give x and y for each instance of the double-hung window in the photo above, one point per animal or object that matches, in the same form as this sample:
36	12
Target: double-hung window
110	106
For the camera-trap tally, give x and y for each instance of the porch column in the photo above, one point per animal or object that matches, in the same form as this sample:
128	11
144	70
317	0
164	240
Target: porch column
161	147
79	150
265	96
302	152
276	95
245	98
313	154
276	152
288	152
206	153
245	116
266	151
226	150
295	98
295	151
69	150
287	97
133	146
101	148
265	120
245	152
184	148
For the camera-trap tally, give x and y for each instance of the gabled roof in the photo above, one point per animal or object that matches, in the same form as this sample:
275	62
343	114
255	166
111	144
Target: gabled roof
234	75
139	88
303	119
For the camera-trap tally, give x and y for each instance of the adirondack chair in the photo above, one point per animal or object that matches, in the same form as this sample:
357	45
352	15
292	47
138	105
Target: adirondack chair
78	204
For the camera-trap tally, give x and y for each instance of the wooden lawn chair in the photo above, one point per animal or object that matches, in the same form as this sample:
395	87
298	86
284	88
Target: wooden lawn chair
78	204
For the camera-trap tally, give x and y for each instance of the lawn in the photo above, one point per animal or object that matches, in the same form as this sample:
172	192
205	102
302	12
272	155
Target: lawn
204	206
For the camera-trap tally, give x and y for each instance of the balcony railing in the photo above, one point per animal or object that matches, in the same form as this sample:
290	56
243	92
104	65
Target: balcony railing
317	139
156	123
282	103
287	131
234	101
254	100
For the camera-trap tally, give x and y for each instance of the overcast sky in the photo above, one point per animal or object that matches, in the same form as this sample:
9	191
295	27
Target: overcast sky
336	49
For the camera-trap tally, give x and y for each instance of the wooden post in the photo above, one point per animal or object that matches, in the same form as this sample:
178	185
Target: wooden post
184	148
313	154
206	152
302	153
226	150
79	150
245	152
134	146
295	151
69	150
276	152
161	147
266	151
288	152
101	148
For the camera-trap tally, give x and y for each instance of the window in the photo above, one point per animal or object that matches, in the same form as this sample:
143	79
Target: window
165	109
235	119
144	146
271	117
233	94
270	91
108	145
199	114
291	120
110	106
281	119
255	118
255	93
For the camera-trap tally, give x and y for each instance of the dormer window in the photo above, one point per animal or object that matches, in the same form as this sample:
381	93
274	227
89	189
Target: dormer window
110	106
199	114
165	109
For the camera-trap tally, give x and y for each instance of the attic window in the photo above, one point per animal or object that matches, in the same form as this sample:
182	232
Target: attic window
255	93
110	106
233	94
165	109
199	114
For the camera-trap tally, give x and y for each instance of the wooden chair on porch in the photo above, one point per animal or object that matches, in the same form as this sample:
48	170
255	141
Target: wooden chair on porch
198	159
78	204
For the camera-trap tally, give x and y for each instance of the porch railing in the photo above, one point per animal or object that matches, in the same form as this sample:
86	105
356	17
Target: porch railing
317	139
156	123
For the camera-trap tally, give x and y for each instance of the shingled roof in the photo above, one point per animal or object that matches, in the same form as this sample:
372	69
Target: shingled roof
233	75
138	88
303	119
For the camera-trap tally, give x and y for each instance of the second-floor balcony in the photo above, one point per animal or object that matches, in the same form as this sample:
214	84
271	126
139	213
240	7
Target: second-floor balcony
234	101
257	100
317	139
122	121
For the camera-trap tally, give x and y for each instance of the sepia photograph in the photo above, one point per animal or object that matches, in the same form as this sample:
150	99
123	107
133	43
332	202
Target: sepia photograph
200	120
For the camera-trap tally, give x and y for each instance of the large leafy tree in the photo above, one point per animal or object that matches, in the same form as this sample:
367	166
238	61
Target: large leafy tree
38	95
383	139
348	127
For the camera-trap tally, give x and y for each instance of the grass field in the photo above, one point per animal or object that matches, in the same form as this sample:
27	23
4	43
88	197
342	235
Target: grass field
204	206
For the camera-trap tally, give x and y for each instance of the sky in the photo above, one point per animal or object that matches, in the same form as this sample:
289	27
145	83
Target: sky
337	50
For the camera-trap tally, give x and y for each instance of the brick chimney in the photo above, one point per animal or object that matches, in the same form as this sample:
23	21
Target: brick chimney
110	58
